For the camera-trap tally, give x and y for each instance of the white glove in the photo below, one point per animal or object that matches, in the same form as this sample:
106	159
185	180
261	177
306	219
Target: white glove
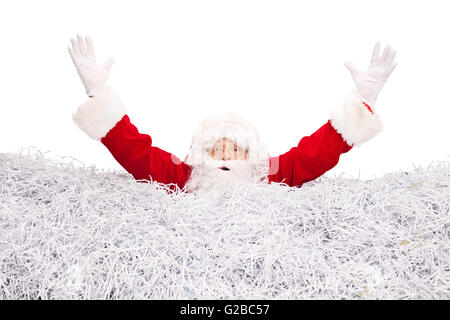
370	81
92	75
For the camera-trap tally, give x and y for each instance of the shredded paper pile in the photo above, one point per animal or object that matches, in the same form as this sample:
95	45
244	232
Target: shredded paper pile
68	231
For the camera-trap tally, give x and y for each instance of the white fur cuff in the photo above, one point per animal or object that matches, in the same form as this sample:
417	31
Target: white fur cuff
354	121
99	114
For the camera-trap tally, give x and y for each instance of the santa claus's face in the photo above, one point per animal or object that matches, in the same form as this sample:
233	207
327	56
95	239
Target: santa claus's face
225	164
225	149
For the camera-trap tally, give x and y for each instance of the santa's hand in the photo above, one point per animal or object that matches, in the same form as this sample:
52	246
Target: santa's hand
93	75
369	82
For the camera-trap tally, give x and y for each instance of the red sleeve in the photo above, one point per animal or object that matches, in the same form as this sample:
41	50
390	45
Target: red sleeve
314	155
135	153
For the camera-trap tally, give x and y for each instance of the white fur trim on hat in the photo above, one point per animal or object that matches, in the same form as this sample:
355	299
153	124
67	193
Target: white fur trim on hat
99	114
354	121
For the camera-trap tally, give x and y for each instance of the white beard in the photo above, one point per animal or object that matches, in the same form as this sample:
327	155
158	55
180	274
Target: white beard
209	176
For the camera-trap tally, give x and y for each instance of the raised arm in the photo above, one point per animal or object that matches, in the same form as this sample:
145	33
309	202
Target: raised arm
351	124
103	117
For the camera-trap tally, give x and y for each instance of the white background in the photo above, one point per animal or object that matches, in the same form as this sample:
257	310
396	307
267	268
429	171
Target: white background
278	63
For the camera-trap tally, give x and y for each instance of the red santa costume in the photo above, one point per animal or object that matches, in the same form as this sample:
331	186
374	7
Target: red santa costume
104	118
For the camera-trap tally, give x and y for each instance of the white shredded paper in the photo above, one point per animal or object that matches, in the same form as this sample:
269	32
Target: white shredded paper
68	231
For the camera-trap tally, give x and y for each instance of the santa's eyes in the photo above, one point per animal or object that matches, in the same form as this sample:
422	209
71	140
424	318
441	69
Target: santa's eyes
235	149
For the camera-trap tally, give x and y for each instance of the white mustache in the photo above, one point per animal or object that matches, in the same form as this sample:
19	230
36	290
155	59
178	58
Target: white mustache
211	174
212	164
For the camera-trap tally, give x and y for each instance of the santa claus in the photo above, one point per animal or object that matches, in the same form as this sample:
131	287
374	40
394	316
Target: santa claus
226	148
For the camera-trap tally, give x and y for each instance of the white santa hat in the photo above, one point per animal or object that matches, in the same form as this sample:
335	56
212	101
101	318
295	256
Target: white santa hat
233	127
